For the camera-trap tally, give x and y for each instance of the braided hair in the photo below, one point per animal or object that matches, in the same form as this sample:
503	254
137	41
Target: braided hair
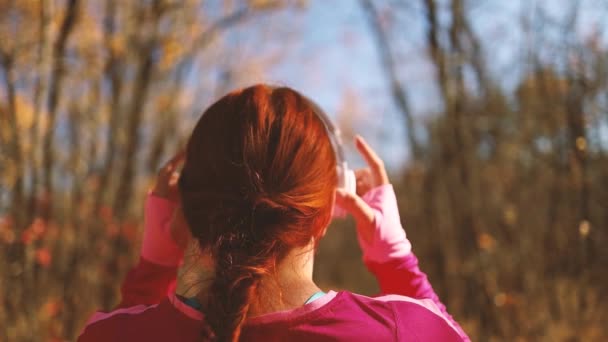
257	182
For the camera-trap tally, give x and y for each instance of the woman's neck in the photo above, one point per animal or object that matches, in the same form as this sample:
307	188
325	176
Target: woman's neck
291	285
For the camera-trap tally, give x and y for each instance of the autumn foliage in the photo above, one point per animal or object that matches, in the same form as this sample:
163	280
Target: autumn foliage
503	196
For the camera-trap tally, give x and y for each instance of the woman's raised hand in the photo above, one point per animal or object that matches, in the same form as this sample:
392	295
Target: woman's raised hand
367	178
166	187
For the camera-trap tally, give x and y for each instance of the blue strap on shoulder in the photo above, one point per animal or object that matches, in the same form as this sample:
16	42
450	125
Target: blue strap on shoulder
315	296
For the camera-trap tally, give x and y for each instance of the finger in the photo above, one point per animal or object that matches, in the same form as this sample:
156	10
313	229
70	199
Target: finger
364	180
167	176
363	188
176	160
361	211
174	178
179	157
370	156
170	166
355	205
362	173
373	160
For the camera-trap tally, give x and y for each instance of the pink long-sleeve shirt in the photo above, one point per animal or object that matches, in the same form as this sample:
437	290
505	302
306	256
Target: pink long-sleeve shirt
407	310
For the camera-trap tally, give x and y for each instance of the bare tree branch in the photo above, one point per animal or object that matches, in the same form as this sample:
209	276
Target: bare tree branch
397	90
55	91
7	60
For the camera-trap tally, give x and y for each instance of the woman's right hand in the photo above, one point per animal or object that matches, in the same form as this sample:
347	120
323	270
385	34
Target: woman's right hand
374	207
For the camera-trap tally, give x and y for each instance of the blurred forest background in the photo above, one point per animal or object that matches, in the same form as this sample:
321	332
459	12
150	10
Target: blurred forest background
497	146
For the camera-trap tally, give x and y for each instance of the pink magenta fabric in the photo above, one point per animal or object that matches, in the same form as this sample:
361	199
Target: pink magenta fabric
407	310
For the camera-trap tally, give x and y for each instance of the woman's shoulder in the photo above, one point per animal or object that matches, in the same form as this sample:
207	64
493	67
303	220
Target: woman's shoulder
411	316
141	323
346	305
392	300
347	316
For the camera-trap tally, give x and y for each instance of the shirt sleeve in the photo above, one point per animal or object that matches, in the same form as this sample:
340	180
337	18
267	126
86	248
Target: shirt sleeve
389	254
155	274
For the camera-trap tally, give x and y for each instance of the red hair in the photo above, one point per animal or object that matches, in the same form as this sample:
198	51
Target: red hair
258	182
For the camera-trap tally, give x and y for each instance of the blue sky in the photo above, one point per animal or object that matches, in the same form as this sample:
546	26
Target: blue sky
330	55
337	56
